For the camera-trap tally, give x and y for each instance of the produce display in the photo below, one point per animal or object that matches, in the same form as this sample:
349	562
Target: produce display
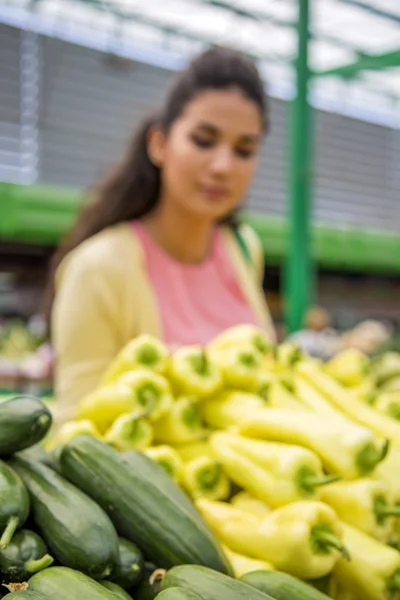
237	471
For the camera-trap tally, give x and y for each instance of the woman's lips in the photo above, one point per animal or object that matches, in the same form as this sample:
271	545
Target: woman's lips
214	191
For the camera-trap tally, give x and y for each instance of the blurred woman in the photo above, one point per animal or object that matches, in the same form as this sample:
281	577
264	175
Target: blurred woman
160	250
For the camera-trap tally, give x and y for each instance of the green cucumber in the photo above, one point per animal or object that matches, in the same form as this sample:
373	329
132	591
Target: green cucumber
24	421
210	585
282	586
141	511
25	555
14	503
24	595
150	585
147	467
129	569
144	591
116	589
77	531
175	593
62	583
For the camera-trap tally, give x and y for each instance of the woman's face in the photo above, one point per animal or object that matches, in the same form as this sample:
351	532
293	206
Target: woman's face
209	156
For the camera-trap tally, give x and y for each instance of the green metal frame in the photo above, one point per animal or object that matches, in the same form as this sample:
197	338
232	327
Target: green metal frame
42	215
298	273
367	62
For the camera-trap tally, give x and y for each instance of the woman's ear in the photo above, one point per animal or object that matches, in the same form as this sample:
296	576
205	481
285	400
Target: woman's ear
156	146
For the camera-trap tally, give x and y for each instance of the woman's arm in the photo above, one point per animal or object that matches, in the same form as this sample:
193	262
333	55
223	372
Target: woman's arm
85	330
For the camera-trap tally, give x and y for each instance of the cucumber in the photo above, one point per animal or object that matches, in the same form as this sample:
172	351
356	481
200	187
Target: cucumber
150	584
77	531
175	593
147	467
129	569
144	591
24	595
117	590
282	586
25	555
62	583
210	585
14	503
141	511
24	421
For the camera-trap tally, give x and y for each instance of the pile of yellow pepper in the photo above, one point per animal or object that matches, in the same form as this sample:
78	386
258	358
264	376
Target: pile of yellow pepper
294	464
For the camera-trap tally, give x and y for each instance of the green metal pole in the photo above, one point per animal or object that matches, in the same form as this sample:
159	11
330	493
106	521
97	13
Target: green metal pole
298	271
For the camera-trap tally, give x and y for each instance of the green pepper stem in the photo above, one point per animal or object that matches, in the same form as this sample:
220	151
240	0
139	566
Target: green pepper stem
148	355
327	540
9	531
370	456
312	481
393	584
382	509
307	480
33	566
208	477
200	363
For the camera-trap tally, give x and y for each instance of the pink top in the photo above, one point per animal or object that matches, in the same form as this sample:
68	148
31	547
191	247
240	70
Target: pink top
196	302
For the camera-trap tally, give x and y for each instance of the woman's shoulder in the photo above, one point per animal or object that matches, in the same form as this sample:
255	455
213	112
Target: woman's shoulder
252	240
250	244
103	251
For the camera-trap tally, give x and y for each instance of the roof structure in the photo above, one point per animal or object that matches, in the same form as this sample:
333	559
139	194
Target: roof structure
355	44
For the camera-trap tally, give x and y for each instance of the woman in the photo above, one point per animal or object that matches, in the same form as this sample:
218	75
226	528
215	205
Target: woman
159	250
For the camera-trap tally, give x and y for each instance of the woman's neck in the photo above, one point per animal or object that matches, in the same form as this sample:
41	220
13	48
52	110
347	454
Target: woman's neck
185	238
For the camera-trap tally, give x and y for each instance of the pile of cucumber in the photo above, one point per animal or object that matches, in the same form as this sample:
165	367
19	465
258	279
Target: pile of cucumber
92	524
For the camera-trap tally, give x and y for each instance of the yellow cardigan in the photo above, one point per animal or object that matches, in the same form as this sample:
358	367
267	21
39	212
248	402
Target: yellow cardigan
104	298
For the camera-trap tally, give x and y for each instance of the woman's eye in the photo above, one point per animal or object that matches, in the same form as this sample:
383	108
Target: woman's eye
202	142
245	152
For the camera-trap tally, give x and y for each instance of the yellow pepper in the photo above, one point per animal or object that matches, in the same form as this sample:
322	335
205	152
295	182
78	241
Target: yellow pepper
363	503
242	565
346	450
349	367
242	335
386	470
373	573
281	397
203	477
386	367
338	592
288	354
388	403
240	366
151	391
315	401
349	404
193	373
129	432
106	404
366	391
275	473
245	501
302	538
189	452
182	424
145	351
168	459
229	408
